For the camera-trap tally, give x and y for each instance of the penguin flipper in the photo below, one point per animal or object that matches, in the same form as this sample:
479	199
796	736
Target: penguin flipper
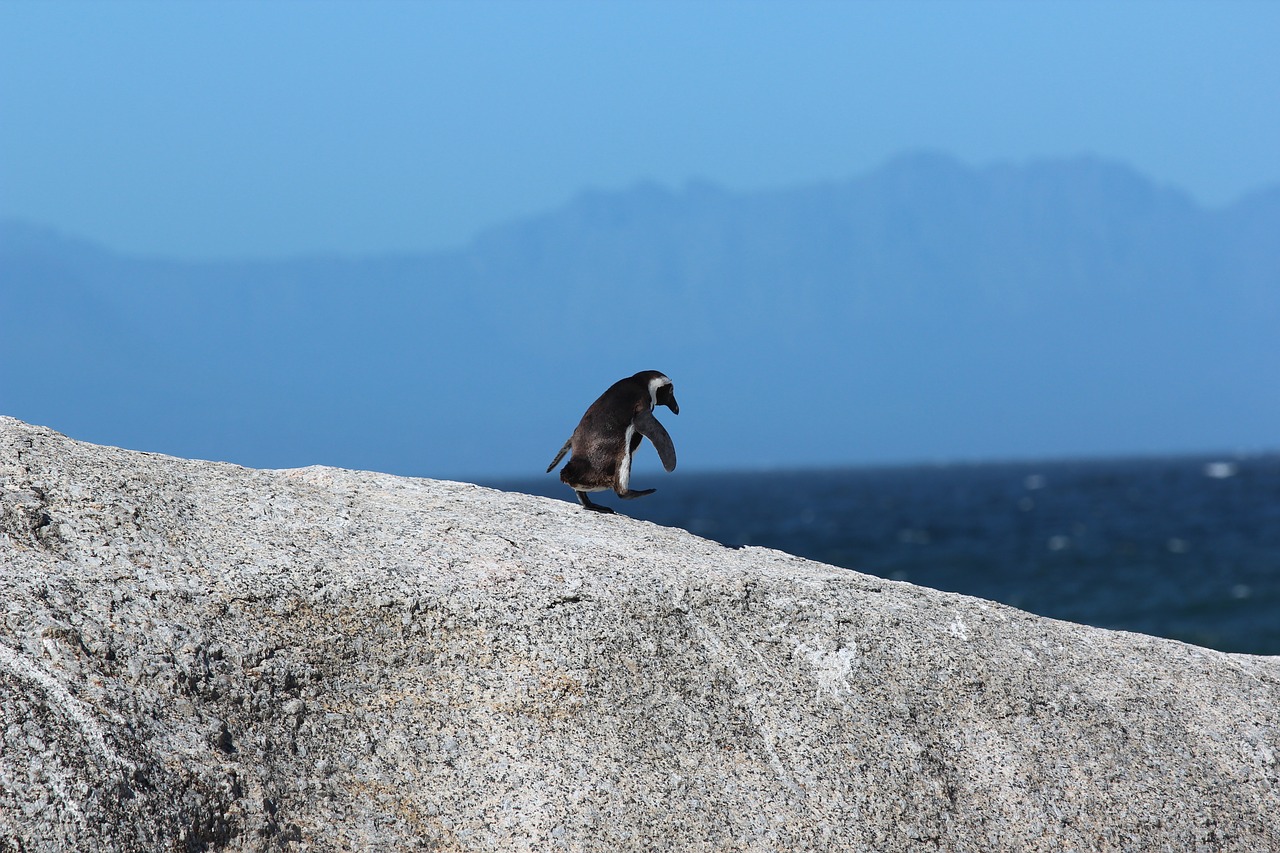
648	426
560	455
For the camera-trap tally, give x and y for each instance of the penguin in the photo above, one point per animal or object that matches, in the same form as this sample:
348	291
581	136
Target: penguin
609	433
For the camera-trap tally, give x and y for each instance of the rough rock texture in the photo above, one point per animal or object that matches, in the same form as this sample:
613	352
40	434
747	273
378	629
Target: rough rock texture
200	656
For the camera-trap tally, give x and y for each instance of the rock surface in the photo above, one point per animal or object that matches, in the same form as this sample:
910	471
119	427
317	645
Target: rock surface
200	656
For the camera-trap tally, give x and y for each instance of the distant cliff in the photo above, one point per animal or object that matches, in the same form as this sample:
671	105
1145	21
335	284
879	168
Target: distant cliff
198	656
1062	307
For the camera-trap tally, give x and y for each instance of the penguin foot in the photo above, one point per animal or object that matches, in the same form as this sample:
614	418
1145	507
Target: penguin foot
588	504
630	495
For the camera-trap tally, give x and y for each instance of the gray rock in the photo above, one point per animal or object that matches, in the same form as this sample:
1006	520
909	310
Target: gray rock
201	656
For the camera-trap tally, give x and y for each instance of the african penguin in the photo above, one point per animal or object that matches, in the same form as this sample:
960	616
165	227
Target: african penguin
609	434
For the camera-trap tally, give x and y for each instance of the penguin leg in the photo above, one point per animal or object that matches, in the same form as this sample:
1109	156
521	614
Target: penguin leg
632	495
587	502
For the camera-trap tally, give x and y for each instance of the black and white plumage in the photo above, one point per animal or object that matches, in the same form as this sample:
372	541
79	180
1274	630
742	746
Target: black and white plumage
609	433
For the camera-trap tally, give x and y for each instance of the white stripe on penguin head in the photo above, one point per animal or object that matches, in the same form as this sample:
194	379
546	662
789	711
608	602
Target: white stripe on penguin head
654	384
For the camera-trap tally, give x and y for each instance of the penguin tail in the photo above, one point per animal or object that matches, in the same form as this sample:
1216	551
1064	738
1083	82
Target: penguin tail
560	455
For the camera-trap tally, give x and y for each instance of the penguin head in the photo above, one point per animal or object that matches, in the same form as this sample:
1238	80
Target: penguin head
666	396
661	391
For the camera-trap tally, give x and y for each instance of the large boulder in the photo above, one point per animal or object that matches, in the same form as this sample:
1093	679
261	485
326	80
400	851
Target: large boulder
195	655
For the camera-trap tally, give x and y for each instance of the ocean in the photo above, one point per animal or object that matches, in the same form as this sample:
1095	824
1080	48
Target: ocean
1186	548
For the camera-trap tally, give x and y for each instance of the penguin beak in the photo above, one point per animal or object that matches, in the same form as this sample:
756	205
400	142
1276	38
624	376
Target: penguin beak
673	405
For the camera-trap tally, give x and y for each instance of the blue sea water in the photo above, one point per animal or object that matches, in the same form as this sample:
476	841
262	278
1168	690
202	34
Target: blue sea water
1187	548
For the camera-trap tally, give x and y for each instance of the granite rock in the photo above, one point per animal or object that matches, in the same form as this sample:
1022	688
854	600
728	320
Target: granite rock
198	656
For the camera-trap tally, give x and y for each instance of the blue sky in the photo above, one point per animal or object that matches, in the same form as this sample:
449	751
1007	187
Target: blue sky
220	129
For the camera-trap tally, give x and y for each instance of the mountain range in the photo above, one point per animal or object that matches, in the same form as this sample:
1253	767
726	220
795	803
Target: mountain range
924	311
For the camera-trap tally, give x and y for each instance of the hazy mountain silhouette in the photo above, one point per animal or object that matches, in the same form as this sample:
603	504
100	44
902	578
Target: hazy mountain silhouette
924	310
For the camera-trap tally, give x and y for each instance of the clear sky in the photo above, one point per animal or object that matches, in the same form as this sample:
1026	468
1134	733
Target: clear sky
222	129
